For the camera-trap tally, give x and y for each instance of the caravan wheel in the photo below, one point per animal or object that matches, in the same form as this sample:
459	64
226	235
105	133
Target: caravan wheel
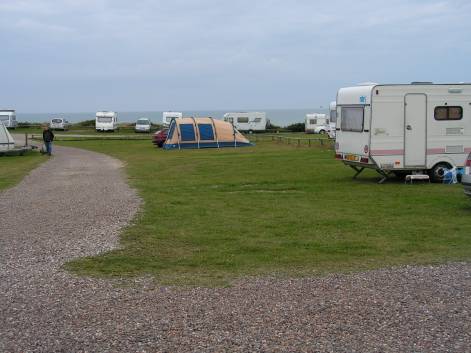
322	132
438	171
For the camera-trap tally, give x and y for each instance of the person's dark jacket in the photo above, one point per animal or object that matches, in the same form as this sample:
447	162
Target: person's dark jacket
48	136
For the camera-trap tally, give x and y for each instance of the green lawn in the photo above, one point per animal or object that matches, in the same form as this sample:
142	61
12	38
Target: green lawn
13	169
211	216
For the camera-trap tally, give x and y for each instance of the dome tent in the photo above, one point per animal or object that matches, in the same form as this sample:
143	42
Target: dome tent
203	133
6	140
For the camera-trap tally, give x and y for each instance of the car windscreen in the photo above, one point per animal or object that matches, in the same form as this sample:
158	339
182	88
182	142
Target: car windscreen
104	120
56	121
143	122
351	119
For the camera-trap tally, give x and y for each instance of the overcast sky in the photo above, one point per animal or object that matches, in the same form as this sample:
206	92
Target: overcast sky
85	55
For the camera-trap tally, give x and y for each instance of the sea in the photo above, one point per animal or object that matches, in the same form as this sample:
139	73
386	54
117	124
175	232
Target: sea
279	117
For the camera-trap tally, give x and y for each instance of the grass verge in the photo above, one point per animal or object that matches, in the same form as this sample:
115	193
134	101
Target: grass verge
211	216
14	168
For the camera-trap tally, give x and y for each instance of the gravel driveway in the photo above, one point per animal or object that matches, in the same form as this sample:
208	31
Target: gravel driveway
75	205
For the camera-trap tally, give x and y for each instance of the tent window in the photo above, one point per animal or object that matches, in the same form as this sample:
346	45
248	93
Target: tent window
170	131
188	132
206	132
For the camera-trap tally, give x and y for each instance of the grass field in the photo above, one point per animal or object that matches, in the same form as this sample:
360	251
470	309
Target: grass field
211	216
13	169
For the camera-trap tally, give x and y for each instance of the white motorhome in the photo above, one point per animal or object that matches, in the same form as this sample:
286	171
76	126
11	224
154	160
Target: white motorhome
59	124
247	121
316	123
404	128
106	121
168	116
333	119
8	118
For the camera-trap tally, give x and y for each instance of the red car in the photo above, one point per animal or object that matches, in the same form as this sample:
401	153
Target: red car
160	137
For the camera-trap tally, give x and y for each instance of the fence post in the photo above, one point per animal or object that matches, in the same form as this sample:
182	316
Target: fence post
322	142
299	142
309	142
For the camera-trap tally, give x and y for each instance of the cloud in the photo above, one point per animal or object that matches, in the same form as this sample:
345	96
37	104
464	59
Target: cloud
243	48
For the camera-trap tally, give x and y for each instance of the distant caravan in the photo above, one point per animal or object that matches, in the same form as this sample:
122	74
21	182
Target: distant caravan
404	128
316	123
168	116
333	120
247	121
8	118
106	121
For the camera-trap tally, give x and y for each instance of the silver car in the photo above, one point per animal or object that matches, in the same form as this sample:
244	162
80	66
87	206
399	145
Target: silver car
142	125
59	124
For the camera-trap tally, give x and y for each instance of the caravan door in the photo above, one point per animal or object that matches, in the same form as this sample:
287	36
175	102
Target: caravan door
415	129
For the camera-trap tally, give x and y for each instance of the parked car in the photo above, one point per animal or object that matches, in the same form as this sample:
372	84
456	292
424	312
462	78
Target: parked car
142	125
160	137
59	124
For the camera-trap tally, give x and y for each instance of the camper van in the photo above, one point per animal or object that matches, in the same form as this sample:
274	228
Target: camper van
333	119
316	123
247	121
142	125
404	128
106	121
59	124
168	116
8	118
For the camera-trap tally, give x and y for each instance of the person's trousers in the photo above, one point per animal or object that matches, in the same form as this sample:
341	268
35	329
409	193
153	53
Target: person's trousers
48	147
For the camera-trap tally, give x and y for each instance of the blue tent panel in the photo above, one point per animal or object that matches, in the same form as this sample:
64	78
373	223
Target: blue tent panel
188	132
206	132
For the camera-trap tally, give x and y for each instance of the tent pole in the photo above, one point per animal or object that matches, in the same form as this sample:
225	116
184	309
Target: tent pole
196	131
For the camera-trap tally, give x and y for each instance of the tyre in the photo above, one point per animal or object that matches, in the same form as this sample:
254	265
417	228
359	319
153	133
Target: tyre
438	171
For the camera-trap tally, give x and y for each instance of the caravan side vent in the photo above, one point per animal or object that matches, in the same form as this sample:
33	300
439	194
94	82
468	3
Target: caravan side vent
454	149
454	131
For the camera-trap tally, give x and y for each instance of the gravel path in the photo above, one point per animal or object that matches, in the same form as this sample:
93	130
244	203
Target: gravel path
75	205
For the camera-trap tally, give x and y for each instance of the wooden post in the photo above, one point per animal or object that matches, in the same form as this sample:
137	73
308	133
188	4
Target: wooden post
309	142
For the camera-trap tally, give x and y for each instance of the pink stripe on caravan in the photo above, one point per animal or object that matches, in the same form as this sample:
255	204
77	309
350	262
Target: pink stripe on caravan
435	150
387	152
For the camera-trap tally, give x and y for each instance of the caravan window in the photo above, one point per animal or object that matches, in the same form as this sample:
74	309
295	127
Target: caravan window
313	121
243	120
448	113
104	120
352	119
4	117
187	132
333	116
206	132
257	120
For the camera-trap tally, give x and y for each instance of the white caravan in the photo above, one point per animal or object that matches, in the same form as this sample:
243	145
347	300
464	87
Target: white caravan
59	124
316	123
168	116
106	121
418	127
333	119
247	121
8	118
6	140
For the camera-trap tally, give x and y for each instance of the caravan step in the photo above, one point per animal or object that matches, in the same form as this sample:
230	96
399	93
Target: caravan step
422	177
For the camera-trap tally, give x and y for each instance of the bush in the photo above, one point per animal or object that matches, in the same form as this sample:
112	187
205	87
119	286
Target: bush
86	123
297	127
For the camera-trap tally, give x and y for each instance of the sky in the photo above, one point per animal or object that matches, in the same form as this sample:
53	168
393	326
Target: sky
88	55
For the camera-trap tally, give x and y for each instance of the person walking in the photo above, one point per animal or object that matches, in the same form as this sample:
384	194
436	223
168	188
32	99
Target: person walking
48	137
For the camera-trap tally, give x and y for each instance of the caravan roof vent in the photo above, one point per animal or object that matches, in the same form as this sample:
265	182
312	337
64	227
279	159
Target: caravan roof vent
421	83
